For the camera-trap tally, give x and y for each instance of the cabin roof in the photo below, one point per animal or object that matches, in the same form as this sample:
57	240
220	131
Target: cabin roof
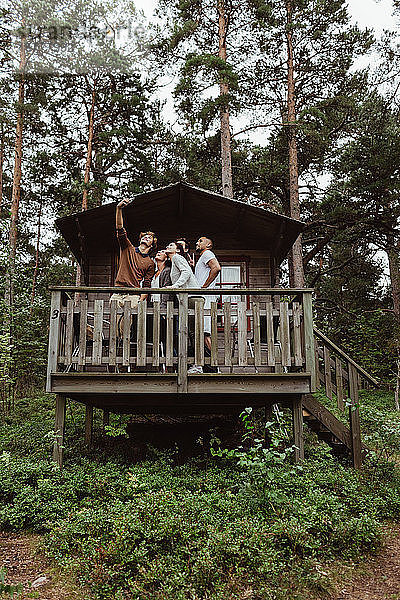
182	209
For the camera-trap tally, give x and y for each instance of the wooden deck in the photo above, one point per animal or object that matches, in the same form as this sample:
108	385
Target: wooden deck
264	351
261	344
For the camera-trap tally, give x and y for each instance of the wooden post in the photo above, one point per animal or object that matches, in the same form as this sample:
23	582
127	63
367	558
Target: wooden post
327	372
354	418
59	429
199	332
182	344
339	384
297	411
88	425
309	339
54	336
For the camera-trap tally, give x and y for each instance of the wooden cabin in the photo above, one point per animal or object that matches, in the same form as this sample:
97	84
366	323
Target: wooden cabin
263	340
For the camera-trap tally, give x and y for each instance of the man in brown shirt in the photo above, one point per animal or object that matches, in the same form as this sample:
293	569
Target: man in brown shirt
136	268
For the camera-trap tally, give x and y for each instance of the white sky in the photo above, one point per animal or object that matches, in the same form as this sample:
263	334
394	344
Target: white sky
372	14
376	14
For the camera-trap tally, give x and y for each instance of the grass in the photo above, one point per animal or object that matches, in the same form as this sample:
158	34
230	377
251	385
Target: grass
203	528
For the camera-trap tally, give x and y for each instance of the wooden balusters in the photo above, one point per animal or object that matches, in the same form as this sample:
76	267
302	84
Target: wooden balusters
261	335
69	334
54	337
214	335
156	334
183	344
82	332
284	334
257	334
339	383
169	344
141	335
199	332
309	339
112	347
98	332
327	372
270	334
126	334
242	333
227	334
297	350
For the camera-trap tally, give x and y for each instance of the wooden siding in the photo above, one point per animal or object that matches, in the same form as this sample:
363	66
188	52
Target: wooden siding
103	267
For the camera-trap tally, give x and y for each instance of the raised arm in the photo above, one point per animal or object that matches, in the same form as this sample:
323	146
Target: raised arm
119	220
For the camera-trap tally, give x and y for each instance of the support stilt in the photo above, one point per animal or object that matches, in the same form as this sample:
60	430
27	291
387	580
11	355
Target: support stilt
297	411
59	429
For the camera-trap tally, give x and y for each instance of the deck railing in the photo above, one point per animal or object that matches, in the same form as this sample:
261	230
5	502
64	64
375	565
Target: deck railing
264	330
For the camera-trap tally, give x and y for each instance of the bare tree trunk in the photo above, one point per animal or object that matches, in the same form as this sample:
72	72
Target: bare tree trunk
16	188
226	153
37	253
393	254
1	164
87	168
297	250
7	384
89	149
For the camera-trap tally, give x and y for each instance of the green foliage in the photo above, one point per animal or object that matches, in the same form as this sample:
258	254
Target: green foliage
8	590
206	528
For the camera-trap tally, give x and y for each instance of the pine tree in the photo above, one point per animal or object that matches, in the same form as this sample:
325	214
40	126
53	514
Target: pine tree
308	47
207	41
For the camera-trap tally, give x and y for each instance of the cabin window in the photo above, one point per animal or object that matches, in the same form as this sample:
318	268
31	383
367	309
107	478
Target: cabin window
233	275
230	277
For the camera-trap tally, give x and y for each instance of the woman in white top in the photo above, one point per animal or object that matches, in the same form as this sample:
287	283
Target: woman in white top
182	276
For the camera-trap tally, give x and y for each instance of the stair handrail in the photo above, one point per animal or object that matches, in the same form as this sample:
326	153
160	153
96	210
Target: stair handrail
345	356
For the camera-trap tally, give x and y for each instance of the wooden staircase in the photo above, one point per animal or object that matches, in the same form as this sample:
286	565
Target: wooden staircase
327	427
341	376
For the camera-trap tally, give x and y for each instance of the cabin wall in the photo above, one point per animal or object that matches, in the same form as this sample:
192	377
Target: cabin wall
256	267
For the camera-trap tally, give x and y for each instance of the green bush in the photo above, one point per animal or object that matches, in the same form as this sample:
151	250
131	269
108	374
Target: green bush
244	522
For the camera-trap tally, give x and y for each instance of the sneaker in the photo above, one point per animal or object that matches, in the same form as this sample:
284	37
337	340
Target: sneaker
195	369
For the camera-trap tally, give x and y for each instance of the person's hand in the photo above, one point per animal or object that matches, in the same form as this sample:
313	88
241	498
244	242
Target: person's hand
124	203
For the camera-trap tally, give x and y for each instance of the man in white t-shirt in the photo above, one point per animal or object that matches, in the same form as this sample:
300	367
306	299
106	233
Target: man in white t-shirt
206	272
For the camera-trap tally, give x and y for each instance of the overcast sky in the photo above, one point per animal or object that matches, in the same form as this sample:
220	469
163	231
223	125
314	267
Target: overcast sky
367	13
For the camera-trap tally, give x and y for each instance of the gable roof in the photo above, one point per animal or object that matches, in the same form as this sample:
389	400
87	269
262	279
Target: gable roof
182	209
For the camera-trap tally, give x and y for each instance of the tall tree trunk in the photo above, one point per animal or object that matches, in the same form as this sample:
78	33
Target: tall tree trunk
393	254
1	163
88	166
226	153
37	253
16	187
6	374
297	250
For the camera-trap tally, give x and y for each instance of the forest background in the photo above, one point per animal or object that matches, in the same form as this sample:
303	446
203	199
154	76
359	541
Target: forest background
284	104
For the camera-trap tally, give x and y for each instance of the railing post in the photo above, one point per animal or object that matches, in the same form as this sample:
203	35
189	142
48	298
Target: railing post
309	339
54	336
354	418
182	343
